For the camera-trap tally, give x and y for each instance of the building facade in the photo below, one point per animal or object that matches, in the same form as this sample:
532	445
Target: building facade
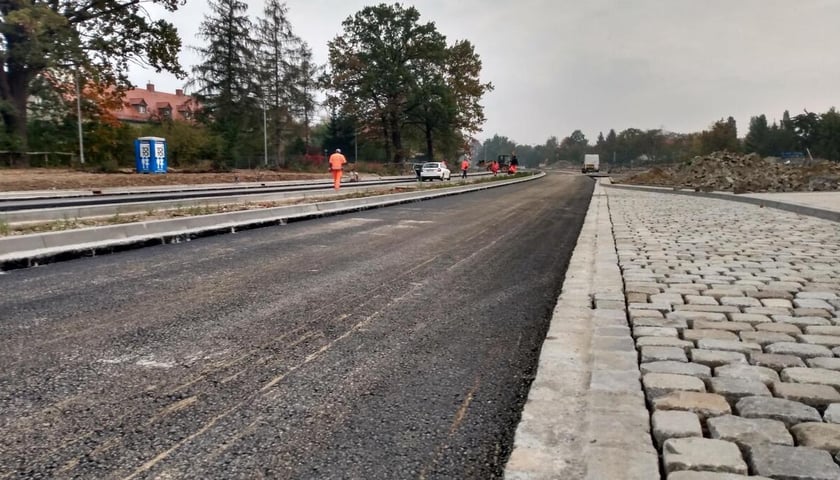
149	105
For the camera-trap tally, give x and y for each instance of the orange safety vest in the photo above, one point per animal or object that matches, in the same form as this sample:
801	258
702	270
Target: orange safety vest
337	160
465	165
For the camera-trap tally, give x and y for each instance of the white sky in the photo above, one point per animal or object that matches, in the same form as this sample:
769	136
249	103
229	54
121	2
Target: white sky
559	65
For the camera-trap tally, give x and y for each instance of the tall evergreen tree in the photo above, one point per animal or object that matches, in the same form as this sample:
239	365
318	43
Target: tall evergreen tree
277	55
758	138
304	84
226	77
288	76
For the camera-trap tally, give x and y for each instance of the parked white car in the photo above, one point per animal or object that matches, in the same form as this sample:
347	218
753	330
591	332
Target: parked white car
433	170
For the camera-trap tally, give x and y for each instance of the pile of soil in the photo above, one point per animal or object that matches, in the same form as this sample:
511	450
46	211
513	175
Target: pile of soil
724	171
58	179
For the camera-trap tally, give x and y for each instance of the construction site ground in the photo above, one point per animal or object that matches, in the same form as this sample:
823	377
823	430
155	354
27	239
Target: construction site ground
67	179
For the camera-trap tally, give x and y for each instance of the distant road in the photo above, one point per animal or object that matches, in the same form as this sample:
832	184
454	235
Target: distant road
392	343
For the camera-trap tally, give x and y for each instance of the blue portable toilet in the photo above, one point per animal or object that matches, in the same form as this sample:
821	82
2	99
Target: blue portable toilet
150	155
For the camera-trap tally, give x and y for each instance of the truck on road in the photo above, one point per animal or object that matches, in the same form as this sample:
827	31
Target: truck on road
591	163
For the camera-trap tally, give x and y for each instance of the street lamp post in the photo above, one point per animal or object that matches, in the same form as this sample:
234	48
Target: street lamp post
79	119
265	136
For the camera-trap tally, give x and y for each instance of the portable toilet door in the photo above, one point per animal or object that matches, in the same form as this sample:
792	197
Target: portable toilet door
151	155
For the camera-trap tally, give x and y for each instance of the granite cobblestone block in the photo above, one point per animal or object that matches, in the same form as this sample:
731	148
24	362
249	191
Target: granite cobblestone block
702	454
675	424
678	368
832	363
786	411
820	376
749	431
801	350
775	361
792	463
705	405
716	358
656	354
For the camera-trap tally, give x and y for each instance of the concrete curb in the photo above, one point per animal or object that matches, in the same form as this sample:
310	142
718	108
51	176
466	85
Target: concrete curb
90	211
789	207
585	416
30	250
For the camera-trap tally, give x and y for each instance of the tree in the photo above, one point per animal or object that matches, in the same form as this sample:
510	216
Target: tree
304	83
828	136
723	135
498	145
391	72
463	77
758	138
227	74
573	147
374	67
96	39
277	56
805	126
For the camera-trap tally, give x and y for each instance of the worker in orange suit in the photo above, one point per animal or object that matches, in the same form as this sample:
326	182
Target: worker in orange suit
465	165
337	162
494	167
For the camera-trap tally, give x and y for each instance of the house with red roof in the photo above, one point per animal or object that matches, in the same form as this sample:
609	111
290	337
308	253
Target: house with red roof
148	105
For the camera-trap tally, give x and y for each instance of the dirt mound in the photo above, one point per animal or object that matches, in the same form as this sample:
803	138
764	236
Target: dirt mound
723	171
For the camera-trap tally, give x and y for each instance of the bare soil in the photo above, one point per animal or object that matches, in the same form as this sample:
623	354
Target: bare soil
66	179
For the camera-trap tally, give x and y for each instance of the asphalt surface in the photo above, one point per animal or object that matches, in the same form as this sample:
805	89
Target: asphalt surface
393	343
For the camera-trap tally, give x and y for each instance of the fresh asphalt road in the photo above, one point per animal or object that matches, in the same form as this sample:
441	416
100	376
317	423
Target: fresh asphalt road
391	343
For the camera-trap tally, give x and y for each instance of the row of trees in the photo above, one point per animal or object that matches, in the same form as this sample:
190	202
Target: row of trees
394	86
809	132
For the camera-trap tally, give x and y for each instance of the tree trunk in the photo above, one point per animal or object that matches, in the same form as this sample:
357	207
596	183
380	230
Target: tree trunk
396	138
430	146
278	143
14	89
387	139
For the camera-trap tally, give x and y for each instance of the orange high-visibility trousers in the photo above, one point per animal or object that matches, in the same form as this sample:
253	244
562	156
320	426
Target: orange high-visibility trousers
336	179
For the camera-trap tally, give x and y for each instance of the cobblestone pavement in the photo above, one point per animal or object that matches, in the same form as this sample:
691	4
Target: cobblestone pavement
735	315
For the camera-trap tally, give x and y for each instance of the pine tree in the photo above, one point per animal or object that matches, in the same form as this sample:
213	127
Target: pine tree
225	78
278	54
304	83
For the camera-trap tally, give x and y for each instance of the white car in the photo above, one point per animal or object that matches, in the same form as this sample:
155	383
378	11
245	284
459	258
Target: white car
433	170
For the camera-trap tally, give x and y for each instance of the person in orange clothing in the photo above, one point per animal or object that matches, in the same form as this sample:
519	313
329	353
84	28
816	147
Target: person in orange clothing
337	162
494	167
465	165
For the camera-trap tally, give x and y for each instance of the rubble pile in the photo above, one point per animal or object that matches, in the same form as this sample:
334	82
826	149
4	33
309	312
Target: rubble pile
724	171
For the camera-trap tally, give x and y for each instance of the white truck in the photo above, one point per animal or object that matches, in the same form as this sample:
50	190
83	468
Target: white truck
591	163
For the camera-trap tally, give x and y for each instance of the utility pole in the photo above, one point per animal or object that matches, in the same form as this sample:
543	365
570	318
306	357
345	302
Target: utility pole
265	135
355	145
79	119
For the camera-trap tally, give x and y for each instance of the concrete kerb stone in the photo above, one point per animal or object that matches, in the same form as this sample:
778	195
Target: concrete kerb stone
563	372
27	250
601	428
625	431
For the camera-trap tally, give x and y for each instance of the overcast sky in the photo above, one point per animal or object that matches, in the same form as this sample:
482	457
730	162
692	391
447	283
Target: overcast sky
560	65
